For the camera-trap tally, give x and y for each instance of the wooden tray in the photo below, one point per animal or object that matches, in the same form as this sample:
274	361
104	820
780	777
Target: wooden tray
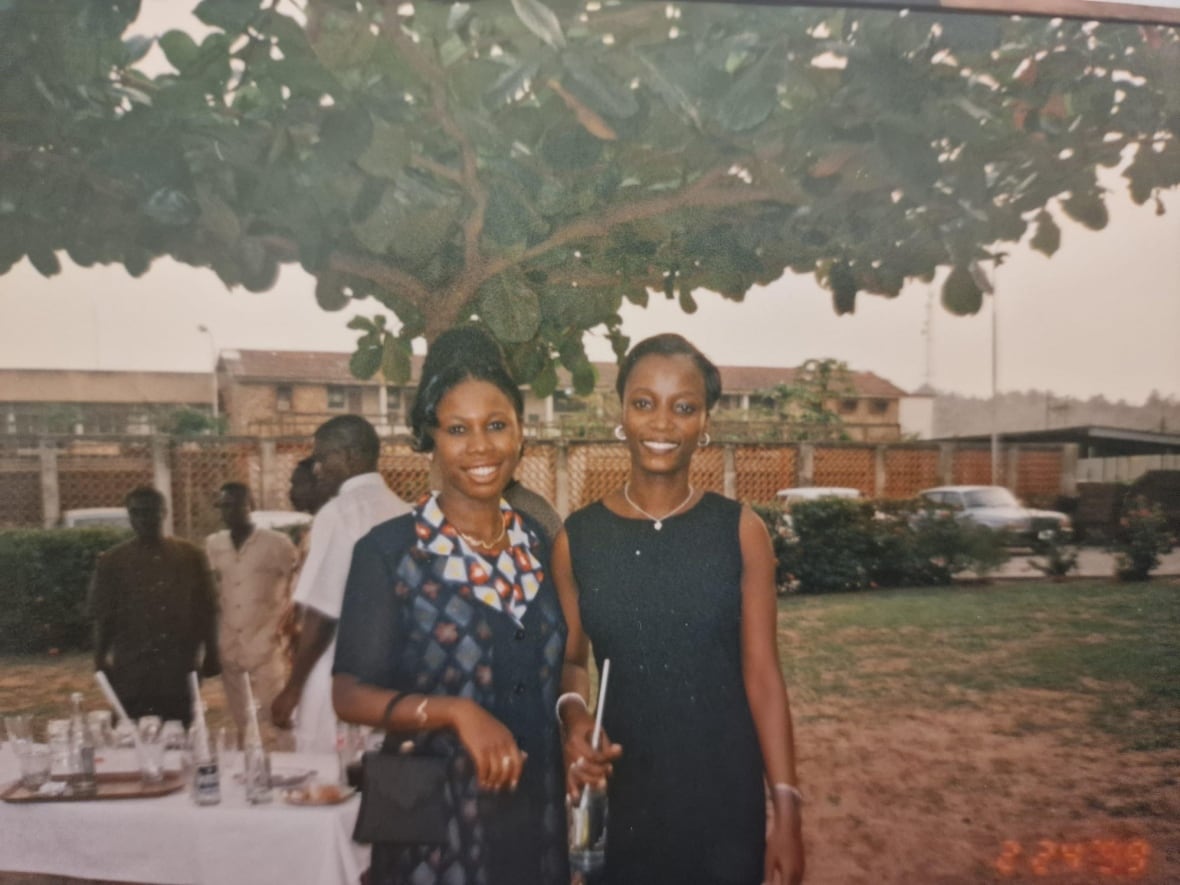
111	785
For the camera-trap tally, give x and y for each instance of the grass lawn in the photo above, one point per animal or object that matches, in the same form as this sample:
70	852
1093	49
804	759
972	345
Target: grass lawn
1022	732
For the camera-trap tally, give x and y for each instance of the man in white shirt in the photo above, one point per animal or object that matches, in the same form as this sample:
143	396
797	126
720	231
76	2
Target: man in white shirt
346	452
253	567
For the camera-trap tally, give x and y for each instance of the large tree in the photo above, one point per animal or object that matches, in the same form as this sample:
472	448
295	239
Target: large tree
533	164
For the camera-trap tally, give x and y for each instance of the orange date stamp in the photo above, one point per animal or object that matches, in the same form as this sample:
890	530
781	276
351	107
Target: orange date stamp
1116	858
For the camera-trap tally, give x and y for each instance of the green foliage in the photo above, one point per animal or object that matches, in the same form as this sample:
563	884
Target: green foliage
1057	559
191	422
43	598
838	544
809	401
1142	537
451	160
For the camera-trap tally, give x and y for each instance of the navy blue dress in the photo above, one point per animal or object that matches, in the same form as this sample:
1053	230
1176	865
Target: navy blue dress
410	623
687	801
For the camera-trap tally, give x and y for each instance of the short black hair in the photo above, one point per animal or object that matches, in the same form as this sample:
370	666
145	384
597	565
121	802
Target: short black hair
352	433
235	488
671	344
459	354
305	465
144	493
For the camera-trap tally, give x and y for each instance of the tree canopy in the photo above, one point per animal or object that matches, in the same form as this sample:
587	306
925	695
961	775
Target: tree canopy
532	164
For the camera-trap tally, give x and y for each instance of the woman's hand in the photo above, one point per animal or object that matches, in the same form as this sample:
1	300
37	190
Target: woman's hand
784	842
498	760
584	764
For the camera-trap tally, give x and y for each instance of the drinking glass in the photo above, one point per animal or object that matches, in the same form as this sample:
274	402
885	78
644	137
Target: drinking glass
151	749
587	831
19	727
34	764
57	732
99	722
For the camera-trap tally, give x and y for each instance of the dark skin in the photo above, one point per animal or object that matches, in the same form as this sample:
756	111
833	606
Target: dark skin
334	465
665	415
146	515
476	449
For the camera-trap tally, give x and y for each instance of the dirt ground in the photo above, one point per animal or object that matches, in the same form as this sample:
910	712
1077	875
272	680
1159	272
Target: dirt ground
1018	791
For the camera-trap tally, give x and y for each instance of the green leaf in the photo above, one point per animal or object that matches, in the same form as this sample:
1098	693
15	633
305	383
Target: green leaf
545	381
1047	238
329	292
345	133
751	98
217	216
1086	208
388	151
584	377
179	48
231	16
362	324
365	361
509	308
687	303
842	282
961	295
510	84
45	261
395	360
136	47
597	88
539	19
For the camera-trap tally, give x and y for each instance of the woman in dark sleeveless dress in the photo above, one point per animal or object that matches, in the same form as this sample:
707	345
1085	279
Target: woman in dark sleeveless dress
451	631
676	588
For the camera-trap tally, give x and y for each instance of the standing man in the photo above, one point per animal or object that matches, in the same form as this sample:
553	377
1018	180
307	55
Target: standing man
155	616
346	452
253	568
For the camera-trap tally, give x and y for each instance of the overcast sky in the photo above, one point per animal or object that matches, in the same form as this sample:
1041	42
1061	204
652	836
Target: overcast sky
1101	317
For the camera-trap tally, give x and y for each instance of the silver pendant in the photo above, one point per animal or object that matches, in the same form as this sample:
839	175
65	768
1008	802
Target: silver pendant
659	525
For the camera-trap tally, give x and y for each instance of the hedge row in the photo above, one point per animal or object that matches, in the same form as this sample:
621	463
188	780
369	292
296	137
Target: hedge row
838	544
44	577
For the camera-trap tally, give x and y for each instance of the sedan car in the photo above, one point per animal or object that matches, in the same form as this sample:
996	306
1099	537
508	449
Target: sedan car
997	508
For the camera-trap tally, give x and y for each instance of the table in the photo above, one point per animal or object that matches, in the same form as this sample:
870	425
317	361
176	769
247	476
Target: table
171	841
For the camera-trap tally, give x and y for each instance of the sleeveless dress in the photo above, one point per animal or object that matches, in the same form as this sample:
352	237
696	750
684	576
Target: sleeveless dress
422	613
687	796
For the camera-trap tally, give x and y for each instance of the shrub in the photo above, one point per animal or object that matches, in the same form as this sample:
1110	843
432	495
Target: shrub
1059	558
951	546
1143	536
833	547
43	595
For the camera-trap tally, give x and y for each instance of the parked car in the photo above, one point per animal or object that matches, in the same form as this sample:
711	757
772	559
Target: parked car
279	519
997	508
792	496
89	517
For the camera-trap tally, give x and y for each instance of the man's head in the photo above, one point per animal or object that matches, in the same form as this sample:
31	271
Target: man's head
345	446
234	503
145	510
305	495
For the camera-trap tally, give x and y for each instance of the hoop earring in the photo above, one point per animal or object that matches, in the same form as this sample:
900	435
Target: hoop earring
620	433
704	440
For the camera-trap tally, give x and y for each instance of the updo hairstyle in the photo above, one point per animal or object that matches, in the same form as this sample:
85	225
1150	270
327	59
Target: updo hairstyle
459	354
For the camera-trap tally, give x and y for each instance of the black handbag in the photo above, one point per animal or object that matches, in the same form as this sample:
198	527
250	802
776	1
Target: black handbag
405	799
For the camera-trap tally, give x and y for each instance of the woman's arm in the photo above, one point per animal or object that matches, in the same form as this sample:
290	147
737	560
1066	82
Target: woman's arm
767	695
584	763
366	662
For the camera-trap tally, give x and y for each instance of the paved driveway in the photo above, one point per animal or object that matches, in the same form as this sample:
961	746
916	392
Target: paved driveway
1092	563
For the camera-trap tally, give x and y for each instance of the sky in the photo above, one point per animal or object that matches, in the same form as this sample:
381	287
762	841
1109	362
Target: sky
1102	317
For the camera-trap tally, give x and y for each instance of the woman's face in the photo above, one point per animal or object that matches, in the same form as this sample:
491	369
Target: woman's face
664	412
477	441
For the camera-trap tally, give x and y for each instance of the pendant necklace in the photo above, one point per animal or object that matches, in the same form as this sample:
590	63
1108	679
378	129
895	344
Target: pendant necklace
486	545
657	521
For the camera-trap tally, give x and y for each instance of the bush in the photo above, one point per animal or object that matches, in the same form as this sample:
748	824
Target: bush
1143	536
43	595
840	545
1058	558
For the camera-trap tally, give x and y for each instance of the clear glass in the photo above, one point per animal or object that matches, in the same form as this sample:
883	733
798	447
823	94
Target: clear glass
57	733
256	773
34	765
82	779
587	820
151	749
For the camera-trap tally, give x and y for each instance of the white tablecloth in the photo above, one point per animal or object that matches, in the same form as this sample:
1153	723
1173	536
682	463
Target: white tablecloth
171	841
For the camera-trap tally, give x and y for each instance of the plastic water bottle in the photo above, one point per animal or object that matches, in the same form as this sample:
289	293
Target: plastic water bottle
82	778
256	765
206	774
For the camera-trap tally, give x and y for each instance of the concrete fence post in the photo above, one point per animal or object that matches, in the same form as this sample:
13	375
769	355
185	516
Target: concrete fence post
946	464
729	472
269	484
561	479
50	487
806	464
1010	458
880	473
162	476
1069	469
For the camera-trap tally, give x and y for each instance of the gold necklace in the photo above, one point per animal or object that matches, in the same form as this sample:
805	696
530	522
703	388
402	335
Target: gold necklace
658	521
477	542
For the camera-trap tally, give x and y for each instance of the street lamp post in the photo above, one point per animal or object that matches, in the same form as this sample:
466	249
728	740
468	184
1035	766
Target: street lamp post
213	350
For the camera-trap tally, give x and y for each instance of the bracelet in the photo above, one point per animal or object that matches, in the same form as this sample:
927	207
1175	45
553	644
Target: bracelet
393	702
789	790
569	696
420	711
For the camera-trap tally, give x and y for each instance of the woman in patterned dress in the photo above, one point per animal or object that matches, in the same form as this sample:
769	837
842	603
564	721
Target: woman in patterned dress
676	587
449	610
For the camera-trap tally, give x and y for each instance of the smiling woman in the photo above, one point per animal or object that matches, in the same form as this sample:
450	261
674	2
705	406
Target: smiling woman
464	653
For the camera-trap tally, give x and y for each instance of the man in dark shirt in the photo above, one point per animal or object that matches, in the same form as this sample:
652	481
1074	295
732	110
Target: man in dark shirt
155	616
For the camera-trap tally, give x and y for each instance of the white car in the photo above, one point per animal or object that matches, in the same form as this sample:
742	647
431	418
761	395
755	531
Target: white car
997	508
89	517
793	496
279	519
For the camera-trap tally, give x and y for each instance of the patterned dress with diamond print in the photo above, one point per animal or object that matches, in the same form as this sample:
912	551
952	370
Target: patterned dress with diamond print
665	605
423	613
